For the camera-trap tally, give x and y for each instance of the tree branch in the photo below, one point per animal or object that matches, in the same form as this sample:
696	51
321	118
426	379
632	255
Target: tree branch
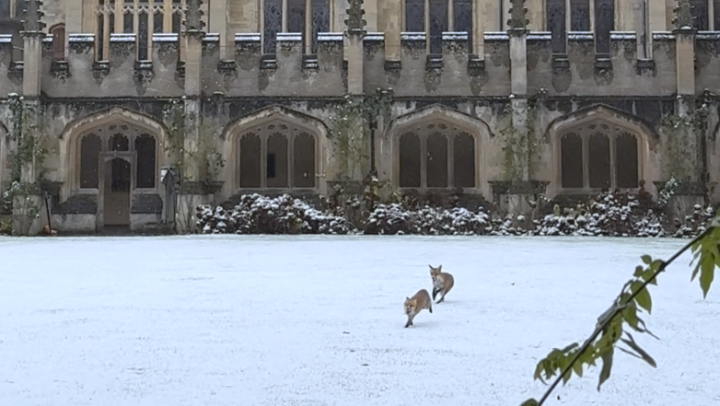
617	309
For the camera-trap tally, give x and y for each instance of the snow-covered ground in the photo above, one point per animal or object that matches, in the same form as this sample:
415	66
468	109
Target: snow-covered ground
313	320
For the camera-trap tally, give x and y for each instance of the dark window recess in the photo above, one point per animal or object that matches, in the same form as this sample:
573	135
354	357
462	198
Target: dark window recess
296	16
604	23
304	161
716	17
571	161
128	23
438	24
272	17
89	161
579	15
462	19
143	37
464	161
250	162
436	163
701	13
4	8
145	149
158	21
626	161
320	20
410	165
556	25
101	34
271	166
279	165
118	142
415	15
176	23
599	161
120	175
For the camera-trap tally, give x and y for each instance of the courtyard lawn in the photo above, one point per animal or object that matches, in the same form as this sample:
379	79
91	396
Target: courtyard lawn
310	321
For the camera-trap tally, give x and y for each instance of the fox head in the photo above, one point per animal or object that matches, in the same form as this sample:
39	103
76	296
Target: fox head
410	305
434	272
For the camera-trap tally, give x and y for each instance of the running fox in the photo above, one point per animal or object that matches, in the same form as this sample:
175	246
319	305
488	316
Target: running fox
442	282
414	305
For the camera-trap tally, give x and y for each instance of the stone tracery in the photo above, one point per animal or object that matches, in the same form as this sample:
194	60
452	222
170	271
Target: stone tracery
436	155
599	155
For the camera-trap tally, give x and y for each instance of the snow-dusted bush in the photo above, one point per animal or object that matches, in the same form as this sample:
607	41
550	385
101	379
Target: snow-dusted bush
694	223
396	219
256	214
608	215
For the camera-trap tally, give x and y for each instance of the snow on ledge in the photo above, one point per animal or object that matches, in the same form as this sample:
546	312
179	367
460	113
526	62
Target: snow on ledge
248	37
413	36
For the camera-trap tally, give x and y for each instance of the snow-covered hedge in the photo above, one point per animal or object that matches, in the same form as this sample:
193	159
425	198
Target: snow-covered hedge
606	215
395	219
256	214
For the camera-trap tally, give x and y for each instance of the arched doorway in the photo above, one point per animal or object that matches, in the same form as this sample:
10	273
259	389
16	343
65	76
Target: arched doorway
116	191
118	164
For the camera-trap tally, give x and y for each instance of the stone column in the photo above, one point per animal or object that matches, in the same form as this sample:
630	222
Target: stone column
518	193
686	133
194	189
28	205
355	32
478	34
390	23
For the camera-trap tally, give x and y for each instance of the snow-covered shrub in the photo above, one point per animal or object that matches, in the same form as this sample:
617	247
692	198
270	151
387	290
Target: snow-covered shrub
694	223
607	215
396	219
256	214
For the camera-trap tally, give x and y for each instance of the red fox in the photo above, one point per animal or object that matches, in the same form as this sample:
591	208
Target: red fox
414	305
442	282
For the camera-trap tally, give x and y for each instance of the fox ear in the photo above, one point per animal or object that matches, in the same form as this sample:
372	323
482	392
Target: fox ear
430	266
440	267
407	298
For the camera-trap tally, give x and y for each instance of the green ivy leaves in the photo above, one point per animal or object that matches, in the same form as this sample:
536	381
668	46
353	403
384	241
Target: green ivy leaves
634	298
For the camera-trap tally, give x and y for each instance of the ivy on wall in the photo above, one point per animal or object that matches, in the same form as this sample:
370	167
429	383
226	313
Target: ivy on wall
681	144
349	125
27	152
520	143
205	156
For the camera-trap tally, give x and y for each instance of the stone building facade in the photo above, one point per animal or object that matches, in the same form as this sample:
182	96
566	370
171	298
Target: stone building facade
128	113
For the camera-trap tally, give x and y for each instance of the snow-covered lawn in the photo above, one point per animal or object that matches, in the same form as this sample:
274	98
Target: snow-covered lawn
300	320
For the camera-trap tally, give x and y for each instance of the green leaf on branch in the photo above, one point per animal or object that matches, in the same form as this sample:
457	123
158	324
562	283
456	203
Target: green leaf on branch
630	315
647	259
642	297
607	359
530	402
578	368
643	354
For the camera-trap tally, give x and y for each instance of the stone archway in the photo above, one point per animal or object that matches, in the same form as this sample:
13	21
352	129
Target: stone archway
438	149
598	149
275	149
114	161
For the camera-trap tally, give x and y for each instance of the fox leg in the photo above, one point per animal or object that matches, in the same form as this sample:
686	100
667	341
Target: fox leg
430	307
434	292
410	320
442	297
